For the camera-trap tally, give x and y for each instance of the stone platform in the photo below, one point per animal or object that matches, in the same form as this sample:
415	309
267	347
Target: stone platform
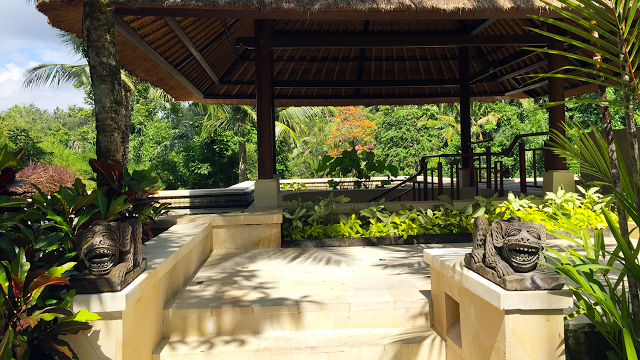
330	303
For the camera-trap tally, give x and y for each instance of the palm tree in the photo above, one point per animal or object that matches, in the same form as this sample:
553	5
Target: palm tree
241	119
448	120
54	75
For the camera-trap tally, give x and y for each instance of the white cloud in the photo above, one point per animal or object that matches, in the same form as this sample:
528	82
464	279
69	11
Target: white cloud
10	72
44	98
27	40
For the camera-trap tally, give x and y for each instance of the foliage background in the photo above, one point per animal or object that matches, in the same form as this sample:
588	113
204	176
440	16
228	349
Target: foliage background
186	151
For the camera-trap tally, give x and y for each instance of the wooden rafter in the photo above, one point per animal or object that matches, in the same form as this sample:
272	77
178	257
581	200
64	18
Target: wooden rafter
394	41
134	37
351	84
192	48
538	84
482	26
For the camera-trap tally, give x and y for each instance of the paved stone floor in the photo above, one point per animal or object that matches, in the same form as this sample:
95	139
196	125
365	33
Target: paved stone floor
356	277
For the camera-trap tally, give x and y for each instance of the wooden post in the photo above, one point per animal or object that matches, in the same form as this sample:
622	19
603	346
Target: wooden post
264	100
465	105
556	93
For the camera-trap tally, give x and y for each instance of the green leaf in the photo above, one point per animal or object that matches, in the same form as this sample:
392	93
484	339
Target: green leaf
5	345
20	266
59	270
70	327
84	201
116	206
48	241
80	187
101	202
446	198
82	316
8	201
628	344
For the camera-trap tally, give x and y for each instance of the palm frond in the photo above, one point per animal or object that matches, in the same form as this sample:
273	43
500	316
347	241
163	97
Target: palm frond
54	75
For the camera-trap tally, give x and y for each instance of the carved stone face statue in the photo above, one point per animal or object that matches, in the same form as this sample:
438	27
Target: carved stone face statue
100	247
519	243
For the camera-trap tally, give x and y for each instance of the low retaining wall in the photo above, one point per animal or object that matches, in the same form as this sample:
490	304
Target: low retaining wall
480	320
380	241
131	323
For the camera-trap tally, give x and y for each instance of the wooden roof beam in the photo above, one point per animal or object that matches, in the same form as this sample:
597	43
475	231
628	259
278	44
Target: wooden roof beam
134	37
482	26
191	46
394	41
539	84
453	96
351	84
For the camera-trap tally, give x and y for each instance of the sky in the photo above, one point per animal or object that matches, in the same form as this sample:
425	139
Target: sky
27	40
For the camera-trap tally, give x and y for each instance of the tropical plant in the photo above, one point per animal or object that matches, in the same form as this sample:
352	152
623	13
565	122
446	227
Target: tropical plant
448	120
54	75
612	308
241	120
34	311
585	211
10	165
357	165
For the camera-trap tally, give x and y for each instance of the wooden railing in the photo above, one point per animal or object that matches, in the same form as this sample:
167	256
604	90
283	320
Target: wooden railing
433	178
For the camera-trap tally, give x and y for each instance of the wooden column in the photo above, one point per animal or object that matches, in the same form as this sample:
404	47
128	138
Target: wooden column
556	93
264	100
465	105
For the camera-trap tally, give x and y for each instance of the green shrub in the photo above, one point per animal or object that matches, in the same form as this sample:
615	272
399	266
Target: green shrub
359	166
585	211
315	220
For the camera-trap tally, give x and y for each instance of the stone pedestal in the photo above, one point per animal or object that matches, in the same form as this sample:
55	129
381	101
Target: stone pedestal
552	179
265	193
480	320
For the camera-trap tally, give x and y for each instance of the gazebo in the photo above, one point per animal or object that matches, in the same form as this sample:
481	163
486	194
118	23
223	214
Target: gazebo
363	52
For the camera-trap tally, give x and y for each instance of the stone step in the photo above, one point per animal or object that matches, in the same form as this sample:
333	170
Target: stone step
302	290
328	316
362	344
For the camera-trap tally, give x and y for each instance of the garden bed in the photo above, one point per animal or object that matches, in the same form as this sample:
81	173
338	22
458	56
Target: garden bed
380	240
400	240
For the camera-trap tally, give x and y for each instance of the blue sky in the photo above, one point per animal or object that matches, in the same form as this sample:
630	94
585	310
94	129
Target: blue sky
27	40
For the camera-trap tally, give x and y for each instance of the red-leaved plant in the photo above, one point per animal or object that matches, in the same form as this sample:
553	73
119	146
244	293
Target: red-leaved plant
34	312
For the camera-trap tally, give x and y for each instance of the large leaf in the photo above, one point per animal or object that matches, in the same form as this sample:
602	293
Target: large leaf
5	345
83	315
7	201
58	349
70	327
48	241
101	202
59	270
116	206
20	266
84	200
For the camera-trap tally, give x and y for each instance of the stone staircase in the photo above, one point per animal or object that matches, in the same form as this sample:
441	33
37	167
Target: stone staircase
334	303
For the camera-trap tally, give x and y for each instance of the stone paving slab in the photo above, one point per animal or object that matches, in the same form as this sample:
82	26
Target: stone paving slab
306	279
379	344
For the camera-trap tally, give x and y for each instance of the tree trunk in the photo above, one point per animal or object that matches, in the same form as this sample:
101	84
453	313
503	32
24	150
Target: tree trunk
127	124
242	166
102	56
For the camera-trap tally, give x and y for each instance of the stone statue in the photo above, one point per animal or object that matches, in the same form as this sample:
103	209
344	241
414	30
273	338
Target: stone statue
110	256
509	254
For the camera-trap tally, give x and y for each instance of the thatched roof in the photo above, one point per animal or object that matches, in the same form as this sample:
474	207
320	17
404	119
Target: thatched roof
336	5
223	69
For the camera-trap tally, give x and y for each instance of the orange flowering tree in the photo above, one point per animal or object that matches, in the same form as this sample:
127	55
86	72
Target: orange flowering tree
352	126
